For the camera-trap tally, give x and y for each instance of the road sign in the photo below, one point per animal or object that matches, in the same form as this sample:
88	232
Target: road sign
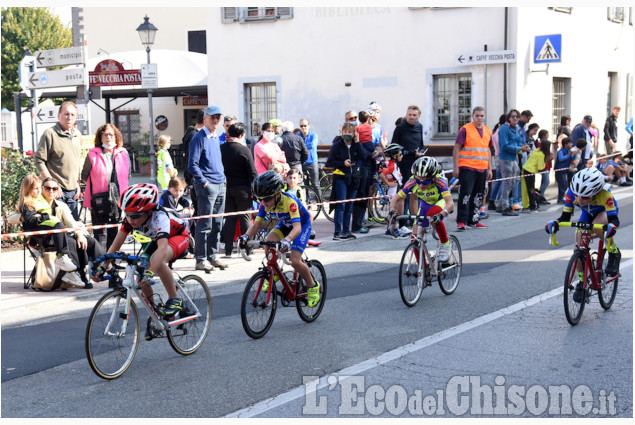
49	114
149	77
23	72
548	48
59	57
486	57
61	78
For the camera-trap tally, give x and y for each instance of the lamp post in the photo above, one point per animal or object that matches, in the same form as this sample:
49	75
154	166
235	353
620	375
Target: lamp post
147	32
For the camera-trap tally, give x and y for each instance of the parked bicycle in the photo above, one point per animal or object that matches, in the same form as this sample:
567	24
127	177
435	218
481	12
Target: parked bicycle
419	264
587	268
259	302
113	329
379	207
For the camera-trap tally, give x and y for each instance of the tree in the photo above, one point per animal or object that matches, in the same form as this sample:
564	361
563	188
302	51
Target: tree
33	28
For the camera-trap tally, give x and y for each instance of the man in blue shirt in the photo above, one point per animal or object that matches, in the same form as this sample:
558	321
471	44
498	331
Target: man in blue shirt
581	131
311	166
228	120
206	167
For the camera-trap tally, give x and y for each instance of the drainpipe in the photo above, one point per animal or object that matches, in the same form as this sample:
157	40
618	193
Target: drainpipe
505	67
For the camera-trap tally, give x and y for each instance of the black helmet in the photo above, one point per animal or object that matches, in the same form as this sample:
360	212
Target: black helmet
267	184
393	149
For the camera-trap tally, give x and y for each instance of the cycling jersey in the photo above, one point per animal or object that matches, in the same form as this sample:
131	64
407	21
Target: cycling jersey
159	225
603	201
430	195
288	210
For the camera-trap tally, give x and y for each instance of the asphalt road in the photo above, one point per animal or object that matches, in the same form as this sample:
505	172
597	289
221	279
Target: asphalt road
45	373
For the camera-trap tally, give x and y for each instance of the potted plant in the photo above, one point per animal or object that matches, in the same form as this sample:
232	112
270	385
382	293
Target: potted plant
144	165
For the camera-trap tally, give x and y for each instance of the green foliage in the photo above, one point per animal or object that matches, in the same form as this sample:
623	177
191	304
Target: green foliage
15	167
143	159
33	28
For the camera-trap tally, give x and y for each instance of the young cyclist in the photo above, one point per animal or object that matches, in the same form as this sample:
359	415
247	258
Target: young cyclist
293	229
390	174
433	197
169	240
590	192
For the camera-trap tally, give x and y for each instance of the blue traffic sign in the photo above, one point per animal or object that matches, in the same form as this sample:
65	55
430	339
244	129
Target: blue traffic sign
548	48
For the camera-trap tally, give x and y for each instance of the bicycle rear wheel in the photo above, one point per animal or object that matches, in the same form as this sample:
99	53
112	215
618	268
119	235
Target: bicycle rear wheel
378	209
187	337
309	314
607	290
312	197
450	272
255	313
411	276
326	195
572	309
109	349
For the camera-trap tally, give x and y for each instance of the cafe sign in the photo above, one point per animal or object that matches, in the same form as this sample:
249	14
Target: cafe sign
109	72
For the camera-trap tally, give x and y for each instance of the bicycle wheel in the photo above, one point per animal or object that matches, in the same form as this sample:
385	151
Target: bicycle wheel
311	197
378	209
109	349
325	180
573	310
326	195
607	290
255	314
187	337
309	314
410	275
450	272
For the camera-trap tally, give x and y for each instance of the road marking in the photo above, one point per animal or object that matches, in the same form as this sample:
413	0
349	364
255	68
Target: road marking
359	368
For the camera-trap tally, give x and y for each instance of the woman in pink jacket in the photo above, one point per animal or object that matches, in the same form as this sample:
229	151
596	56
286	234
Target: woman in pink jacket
267	151
106	157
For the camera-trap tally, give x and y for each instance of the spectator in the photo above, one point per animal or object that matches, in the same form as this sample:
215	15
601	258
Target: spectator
565	155
409	134
581	131
277	130
472	166
494	194
172	197
610	130
228	120
293	147
613	171
535	163
364	129
267	150
58	155
595	137
366	165
525	117
379	136
351	117
206	166
310	166
240	172
165	166
543	136
189	134
108	161
510	143
565	122
343	158
629	155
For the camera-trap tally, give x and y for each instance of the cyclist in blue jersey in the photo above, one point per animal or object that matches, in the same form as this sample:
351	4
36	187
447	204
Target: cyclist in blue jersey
293	229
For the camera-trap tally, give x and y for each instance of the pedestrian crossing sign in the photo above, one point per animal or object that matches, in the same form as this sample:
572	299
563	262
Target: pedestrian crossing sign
548	48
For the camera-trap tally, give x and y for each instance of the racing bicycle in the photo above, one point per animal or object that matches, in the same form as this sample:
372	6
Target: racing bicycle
113	329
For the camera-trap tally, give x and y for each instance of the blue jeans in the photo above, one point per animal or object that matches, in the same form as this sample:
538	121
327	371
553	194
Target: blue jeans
496	187
67	198
544	183
344	210
211	200
509	170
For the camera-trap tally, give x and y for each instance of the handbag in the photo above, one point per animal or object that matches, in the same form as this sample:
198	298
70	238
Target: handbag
46	274
105	204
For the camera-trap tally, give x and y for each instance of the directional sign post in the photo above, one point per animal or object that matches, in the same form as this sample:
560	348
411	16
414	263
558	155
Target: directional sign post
59	57
61	78
49	114
487	57
23	72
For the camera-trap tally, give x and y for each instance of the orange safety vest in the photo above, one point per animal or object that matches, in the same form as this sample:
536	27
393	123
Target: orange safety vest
475	153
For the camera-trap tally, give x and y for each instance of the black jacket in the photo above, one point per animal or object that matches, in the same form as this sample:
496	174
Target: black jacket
294	148
610	129
340	152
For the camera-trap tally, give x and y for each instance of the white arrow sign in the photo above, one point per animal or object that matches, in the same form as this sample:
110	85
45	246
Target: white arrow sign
23	73
49	114
485	58
61	78
59	57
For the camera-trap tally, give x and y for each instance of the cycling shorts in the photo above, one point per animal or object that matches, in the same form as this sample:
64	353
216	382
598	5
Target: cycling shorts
299	243
178	243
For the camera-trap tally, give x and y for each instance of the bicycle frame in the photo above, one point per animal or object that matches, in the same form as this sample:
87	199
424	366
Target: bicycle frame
274	269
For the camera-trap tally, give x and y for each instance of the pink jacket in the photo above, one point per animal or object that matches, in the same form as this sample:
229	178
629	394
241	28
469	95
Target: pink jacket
263	150
98	177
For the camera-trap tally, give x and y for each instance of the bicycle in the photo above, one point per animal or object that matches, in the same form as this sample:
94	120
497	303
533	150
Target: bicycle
113	329
311	200
379	207
258	307
592	265
419	266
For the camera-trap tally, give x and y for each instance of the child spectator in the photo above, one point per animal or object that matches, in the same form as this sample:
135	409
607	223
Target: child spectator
563	160
364	129
390	174
543	135
165	166
535	163
575	164
172	197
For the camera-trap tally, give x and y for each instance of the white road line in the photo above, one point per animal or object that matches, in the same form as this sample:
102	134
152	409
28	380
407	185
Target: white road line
398	352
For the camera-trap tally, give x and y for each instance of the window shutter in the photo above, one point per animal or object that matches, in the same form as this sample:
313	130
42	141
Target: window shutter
284	12
229	14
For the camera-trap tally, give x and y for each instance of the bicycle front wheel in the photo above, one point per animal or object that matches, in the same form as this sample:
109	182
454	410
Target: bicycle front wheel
187	336
573	309
379	208
449	273
411	275
112	335
326	195
255	313
309	314
607	290
312	197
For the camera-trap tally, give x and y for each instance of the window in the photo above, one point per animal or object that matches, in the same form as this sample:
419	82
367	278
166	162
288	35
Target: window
616	14
561	9
3	132
261	106
255	14
561	87
129	123
452	103
196	42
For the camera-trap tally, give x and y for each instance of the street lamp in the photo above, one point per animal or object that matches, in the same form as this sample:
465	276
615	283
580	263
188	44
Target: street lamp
147	32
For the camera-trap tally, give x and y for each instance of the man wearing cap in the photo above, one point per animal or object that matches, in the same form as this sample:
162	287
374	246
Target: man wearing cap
581	131
206	167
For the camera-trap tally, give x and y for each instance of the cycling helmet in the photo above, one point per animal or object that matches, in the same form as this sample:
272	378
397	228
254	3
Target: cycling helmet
587	182
275	122
393	149
138	198
425	167
267	184
374	106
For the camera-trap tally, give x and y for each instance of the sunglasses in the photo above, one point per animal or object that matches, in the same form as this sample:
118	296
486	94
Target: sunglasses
51	188
513	116
351	118
266	198
303	126
426	182
135	216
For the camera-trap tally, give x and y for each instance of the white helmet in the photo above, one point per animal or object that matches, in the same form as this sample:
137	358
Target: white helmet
587	182
425	167
374	106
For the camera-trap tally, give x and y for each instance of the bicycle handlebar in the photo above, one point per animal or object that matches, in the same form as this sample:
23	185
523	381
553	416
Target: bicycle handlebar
270	244
578	225
130	259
